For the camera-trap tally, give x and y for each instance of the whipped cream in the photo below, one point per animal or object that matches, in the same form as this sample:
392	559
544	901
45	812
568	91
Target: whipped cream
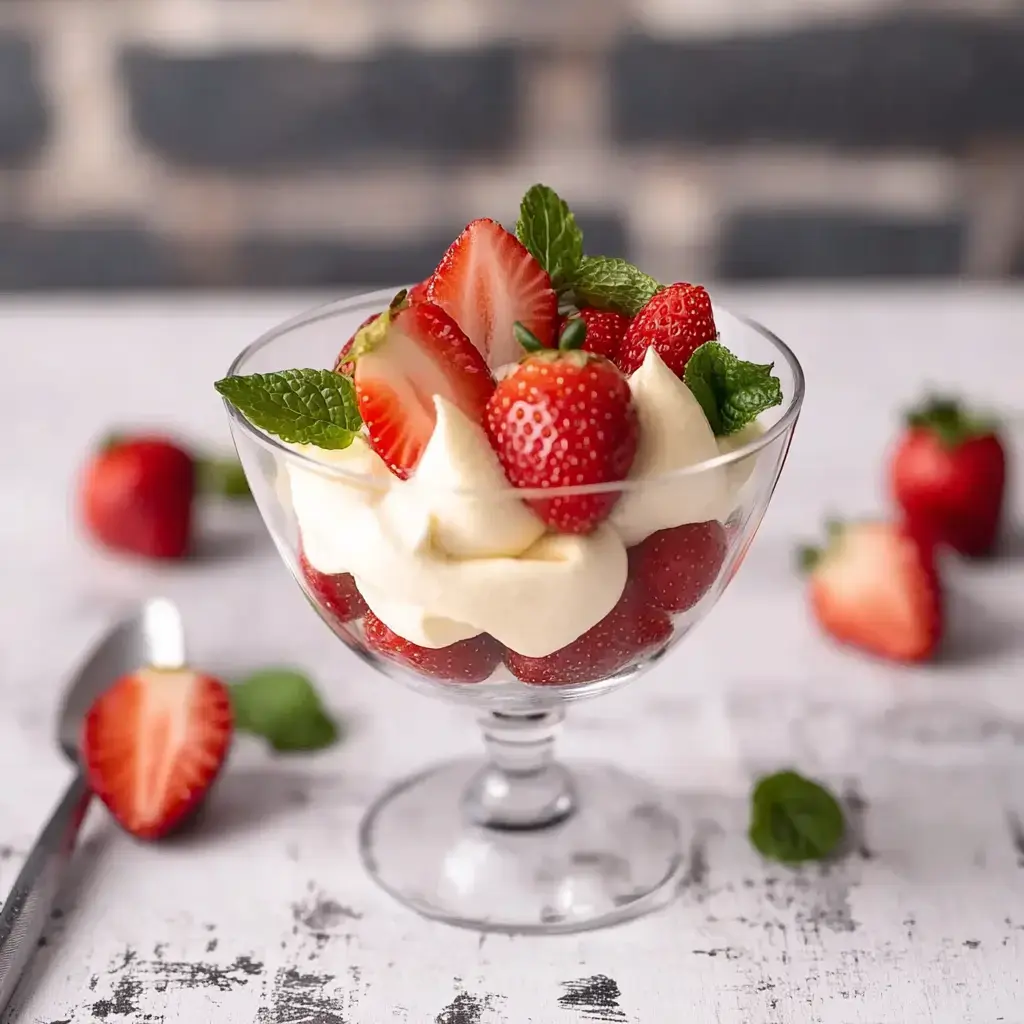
674	433
453	552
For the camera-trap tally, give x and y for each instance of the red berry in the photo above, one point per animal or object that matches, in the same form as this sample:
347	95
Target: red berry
633	628
948	474
676	322
136	497
487	280
419	292
468	661
153	744
402	361
605	331
678	567
335	593
875	586
565	419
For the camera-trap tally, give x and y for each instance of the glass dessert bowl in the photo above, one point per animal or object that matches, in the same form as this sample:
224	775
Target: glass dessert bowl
508	494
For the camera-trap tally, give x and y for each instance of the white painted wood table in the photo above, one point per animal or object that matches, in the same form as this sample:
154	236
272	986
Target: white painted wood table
262	913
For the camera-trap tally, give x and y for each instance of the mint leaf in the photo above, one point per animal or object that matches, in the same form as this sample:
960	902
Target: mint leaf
283	707
301	406
223	478
610	283
793	819
548	229
731	391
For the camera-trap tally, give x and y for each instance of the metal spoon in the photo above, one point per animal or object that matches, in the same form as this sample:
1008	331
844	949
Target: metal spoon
153	635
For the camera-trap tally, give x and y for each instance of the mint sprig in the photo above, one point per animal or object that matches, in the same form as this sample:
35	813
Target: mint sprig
793	819
315	407
283	707
606	282
731	391
548	229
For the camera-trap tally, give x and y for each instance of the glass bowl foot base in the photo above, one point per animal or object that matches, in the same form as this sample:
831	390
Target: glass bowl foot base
615	856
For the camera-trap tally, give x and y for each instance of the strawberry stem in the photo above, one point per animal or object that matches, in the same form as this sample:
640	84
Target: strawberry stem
398	301
807	557
947	419
527	338
573	334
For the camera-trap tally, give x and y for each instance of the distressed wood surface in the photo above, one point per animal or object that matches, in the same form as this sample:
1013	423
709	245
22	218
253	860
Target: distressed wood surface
262	912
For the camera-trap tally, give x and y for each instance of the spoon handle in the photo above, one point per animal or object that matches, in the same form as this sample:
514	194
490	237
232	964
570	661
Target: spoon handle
26	911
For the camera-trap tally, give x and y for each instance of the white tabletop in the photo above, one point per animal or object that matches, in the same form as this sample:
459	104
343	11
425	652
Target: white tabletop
263	913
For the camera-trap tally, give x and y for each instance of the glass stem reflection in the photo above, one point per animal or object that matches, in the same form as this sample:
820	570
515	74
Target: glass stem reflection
521	786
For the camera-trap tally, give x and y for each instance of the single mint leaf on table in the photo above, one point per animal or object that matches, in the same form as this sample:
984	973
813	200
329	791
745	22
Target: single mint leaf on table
731	391
610	283
548	229
793	819
315	407
222	477
283	707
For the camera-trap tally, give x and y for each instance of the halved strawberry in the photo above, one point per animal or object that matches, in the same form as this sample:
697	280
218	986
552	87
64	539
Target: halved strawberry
487	280
632	629
875	586
468	661
336	593
420	292
401	361
677	567
153	744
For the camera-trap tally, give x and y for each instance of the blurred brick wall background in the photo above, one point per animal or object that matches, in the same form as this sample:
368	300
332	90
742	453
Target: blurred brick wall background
275	143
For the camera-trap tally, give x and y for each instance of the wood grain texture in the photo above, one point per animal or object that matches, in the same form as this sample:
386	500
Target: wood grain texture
262	912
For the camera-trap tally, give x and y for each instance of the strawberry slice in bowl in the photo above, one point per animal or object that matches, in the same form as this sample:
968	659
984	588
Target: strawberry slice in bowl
401	361
487	280
153	744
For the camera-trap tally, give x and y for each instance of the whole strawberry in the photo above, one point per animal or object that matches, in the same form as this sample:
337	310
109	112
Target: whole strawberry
948	475
676	322
136	497
564	418
605	331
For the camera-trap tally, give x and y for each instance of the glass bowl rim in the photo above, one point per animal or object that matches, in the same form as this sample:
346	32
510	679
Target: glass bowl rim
337	307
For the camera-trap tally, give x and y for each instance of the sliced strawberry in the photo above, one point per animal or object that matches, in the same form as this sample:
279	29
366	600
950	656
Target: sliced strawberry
420	292
402	360
468	661
634	628
605	331
153	744
343	364
677	567
875	586
676	322
487	280
336	593
565	419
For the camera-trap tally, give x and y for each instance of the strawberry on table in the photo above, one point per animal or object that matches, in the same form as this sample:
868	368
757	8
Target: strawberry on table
153	744
634	627
676	322
564	418
948	474
486	281
336	593
402	360
677	567
136	497
875	586
468	661
605	331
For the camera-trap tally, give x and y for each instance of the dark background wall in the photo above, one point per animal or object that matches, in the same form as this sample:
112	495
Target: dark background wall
276	143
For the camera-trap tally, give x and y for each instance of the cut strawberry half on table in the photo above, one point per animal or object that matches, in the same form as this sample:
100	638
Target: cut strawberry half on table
336	593
675	322
402	360
487	280
153	744
875	586
633	628
677	567
468	661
